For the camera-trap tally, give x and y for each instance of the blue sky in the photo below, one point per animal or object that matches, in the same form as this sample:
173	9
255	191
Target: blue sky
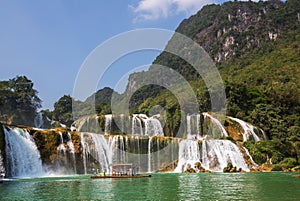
49	40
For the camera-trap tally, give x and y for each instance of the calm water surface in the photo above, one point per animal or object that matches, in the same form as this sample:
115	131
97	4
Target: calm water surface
215	186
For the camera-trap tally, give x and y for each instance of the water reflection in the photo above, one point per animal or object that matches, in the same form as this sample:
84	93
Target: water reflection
190	187
214	186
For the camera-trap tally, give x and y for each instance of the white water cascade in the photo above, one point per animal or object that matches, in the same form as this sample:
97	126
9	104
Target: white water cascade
193	126
249	130
22	155
214	155
137	128
153	127
38	120
215	122
61	147
149	154
189	154
2	168
108	120
117	148
72	151
95	148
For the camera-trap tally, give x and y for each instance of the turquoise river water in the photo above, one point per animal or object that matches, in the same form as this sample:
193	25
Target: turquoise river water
161	186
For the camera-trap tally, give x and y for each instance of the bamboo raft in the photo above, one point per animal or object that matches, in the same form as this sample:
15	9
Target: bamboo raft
120	177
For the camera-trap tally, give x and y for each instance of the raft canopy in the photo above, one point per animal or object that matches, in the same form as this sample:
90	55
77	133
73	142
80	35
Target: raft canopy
121	167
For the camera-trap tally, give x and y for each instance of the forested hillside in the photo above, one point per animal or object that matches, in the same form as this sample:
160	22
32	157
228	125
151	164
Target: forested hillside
256	47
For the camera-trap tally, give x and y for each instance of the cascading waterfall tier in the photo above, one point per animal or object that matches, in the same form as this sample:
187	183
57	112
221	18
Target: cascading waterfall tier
65	157
137	128
96	152
216	154
213	155
250	131
153	127
22	155
139	124
189	154
193	126
145	147
215	128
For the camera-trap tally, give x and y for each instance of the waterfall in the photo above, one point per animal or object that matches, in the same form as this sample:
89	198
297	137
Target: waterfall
108	120
117	148
158	153
22	155
61	147
218	125
61	156
79	123
121	123
72	151
96	151
188	125
2	168
149	153
137	128
85	152
38	120
153	127
189	154
193	126
214	155
249	132
138	149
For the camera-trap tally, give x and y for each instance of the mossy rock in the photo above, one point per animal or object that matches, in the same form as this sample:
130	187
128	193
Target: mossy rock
190	170
277	168
228	167
296	169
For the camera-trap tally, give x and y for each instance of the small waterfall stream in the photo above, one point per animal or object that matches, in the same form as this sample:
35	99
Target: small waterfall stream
215	124
137	128
193	126
108	121
249	130
2	167
38	120
72	151
149	154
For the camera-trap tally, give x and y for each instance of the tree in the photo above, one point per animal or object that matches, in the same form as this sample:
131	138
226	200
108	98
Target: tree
19	101
63	110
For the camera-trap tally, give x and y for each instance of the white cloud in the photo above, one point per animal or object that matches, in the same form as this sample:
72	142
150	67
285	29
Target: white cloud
190	6
156	9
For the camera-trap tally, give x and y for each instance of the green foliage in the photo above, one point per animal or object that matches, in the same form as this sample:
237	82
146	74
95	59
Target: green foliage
288	163
63	110
18	101
275	150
